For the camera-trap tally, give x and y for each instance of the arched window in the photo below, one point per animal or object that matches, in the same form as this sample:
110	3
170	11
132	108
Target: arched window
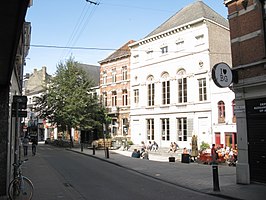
165	88
150	90
221	112
233	110
182	86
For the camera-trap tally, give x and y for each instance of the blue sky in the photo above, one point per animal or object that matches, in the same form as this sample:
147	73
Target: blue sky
110	24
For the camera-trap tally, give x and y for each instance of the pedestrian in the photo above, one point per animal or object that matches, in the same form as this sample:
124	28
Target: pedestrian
34	145
25	143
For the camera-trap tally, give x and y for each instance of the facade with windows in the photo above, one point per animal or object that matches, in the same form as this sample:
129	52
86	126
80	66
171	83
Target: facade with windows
173	95
115	90
248	44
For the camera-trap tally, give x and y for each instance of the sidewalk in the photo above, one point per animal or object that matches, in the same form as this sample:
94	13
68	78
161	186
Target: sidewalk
192	176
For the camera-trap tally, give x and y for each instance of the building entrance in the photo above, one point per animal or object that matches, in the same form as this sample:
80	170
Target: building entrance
256	126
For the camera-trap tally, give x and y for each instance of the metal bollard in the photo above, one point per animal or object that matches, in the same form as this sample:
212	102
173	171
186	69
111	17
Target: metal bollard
81	146
93	149
215	177
107	152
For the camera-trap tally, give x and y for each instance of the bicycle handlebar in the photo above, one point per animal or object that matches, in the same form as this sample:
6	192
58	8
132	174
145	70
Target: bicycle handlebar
20	162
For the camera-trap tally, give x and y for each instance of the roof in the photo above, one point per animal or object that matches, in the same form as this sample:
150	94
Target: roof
122	52
188	14
92	71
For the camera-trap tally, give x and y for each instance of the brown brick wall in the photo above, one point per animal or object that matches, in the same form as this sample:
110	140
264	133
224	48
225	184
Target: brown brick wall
247	50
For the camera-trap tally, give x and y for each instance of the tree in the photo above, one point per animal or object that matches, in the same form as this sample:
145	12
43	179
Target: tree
70	101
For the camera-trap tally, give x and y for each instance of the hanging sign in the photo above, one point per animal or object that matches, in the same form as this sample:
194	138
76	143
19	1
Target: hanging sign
222	75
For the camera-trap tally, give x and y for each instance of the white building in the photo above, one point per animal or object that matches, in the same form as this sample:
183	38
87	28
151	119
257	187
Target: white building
173	96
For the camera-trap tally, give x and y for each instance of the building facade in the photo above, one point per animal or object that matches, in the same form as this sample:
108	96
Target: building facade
247	27
115	90
34	85
173	96
14	39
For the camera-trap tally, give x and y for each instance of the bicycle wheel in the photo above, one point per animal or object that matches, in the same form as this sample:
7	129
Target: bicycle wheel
20	188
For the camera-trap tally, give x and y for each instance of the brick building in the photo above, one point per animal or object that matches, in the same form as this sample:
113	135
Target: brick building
115	88
247	30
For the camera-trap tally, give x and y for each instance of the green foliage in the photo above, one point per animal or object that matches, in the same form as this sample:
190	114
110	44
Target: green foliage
70	100
204	146
129	142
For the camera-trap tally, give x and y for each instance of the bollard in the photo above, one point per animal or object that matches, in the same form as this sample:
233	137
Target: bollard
93	149
215	177
81	146
107	152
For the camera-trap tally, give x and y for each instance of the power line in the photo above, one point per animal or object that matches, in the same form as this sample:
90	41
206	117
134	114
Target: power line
106	49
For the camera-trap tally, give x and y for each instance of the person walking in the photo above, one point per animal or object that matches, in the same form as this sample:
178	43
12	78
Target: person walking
25	143
34	146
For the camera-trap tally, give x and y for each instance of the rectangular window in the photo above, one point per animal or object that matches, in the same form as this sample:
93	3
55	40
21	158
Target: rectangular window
202	89
124	73
104	78
182	129
124	96
182	90
114	98
136	96
166	92
151	94
165	129
113	76
164	49
104	99
150	129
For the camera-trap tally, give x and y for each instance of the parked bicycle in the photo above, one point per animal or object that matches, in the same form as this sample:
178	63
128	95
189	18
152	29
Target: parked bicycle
21	187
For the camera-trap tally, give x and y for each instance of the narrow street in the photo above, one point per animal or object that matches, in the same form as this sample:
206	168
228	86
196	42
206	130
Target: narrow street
60	174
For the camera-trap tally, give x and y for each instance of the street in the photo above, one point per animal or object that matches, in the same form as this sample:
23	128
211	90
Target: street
60	174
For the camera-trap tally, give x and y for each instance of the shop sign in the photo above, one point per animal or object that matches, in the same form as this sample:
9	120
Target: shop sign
222	75
256	106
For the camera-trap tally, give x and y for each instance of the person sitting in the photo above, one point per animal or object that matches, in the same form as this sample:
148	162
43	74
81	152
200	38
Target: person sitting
149	146
185	151
144	154
175	147
154	146
135	154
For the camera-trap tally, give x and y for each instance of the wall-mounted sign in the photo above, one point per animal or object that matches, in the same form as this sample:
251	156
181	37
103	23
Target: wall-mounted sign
256	106
222	75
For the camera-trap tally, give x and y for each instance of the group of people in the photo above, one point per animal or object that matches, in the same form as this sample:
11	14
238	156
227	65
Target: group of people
173	147
143	154
26	143
227	153
151	146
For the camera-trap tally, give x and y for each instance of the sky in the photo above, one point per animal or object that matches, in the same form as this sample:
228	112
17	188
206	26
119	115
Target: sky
89	32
